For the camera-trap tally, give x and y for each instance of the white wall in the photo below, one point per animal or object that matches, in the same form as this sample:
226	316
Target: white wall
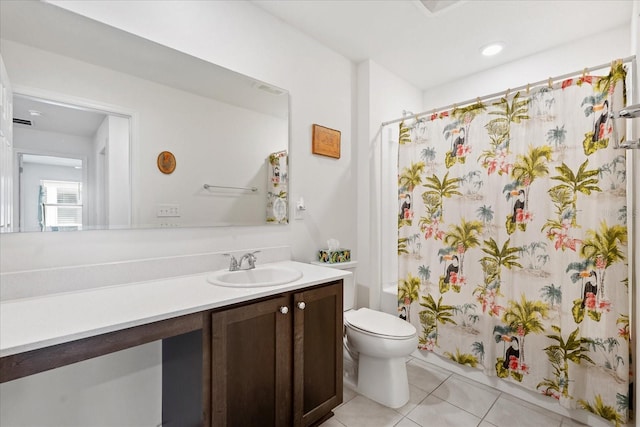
119	174
98	182
37	141
242	37
6	151
381	96
118	389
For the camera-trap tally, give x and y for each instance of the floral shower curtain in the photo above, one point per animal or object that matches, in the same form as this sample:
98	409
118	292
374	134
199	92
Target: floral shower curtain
512	240
278	187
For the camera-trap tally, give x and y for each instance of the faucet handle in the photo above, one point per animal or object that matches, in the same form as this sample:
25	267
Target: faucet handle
233	262
251	259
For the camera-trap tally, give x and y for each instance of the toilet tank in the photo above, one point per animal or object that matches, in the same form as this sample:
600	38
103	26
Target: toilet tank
349	286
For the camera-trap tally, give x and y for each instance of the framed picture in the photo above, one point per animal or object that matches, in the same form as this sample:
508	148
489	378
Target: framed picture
325	142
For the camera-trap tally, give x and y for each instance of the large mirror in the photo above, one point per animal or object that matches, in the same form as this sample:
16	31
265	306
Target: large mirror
114	131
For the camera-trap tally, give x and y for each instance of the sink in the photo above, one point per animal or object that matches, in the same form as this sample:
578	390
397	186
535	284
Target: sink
264	275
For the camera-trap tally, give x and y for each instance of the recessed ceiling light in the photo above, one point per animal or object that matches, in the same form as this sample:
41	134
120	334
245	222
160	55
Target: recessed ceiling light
492	49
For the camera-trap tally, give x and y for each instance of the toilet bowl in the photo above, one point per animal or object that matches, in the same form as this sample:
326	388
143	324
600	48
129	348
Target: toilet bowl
376	345
381	342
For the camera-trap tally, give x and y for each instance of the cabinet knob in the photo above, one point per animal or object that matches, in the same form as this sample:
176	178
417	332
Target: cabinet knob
284	309
301	305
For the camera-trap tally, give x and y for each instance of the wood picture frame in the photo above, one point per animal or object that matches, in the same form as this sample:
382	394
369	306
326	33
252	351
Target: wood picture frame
325	141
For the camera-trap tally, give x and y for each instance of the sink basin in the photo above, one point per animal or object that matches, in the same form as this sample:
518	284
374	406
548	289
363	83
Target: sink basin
264	275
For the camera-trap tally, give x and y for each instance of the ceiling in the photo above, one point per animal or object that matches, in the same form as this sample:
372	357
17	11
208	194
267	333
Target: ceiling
56	117
431	48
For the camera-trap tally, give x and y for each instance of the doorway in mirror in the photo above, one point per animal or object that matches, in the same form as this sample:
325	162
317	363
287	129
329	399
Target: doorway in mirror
71	166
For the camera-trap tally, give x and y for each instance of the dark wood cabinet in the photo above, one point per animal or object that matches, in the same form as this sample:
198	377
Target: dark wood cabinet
278	362
317	350
251	365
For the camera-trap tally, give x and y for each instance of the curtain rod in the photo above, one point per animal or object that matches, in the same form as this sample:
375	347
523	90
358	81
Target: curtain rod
629	59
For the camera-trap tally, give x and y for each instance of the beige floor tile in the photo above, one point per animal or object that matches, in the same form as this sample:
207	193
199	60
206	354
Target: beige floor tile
348	394
531	406
509	411
416	395
439	398
568	422
433	411
363	412
468	395
430	366
425	376
406	422
332	422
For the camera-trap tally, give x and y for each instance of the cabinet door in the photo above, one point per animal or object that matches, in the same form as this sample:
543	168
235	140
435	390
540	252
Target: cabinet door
251	364
317	378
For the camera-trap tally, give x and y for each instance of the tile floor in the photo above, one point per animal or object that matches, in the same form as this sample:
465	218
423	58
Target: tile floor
440	398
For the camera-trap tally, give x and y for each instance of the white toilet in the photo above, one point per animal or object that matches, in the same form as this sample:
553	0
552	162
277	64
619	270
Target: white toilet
379	344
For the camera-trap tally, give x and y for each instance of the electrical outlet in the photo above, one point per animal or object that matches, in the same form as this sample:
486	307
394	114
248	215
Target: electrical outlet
168	210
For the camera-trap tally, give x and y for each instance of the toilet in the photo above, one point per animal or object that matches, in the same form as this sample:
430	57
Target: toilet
376	347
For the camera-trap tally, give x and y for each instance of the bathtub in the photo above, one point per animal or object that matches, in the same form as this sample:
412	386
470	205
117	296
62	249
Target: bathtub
389	299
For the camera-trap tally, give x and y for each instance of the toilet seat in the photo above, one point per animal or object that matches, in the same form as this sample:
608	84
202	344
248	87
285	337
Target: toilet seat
376	323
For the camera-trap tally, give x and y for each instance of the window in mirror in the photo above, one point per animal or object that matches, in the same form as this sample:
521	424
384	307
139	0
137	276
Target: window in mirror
60	205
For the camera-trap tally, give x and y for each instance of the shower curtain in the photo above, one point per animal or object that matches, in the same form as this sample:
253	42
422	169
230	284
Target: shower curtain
512	240
278	187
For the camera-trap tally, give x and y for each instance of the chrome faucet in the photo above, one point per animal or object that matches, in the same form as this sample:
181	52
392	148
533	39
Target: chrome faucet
233	262
251	260
235	265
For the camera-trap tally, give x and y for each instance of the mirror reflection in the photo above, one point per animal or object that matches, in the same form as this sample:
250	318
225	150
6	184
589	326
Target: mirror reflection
93	113
66	175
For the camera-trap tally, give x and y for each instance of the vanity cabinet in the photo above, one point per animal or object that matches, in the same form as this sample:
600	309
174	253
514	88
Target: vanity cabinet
242	357
278	361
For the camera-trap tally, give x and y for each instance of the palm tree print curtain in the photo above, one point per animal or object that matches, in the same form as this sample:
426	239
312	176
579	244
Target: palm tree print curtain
512	240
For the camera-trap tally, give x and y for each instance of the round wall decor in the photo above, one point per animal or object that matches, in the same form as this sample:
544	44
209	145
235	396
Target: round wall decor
166	162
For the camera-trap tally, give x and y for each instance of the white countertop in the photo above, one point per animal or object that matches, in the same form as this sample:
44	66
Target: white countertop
33	323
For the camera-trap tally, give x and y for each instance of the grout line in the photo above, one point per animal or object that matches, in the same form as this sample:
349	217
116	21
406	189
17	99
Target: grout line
490	408
426	368
463	409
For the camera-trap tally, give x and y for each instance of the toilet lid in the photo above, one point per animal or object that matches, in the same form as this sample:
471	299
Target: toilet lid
379	323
